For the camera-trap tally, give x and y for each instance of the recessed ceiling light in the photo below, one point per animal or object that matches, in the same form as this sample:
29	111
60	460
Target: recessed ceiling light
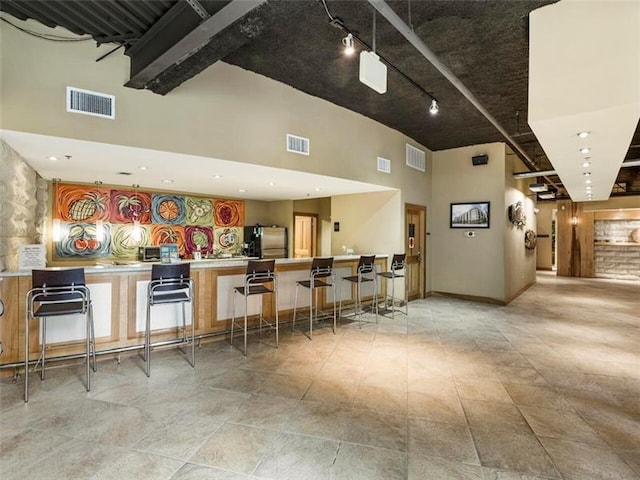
271	184
586	164
142	167
241	190
98	182
317	189
584	134
53	159
587	174
166	180
217	176
585	150
588	180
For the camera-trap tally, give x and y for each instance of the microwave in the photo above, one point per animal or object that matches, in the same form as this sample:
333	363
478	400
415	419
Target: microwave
149	254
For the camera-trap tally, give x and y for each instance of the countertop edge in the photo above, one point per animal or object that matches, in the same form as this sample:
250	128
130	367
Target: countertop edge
208	263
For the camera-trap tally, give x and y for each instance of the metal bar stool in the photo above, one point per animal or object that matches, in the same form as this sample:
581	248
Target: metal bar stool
171	283
398	270
366	273
260	279
321	276
55	293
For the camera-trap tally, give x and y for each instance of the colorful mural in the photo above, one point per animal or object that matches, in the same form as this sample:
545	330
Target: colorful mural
129	219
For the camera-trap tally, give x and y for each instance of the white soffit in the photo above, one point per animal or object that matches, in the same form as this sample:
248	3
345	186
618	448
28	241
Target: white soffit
584	75
92	161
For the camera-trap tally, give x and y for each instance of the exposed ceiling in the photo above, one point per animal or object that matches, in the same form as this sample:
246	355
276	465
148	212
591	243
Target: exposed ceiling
484	43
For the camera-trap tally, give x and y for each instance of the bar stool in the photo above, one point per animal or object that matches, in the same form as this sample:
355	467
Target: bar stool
55	293
398	270
170	283
260	279
366	273
320	276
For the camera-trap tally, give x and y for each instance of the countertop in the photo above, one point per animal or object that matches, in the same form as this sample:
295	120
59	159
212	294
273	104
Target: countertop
133	266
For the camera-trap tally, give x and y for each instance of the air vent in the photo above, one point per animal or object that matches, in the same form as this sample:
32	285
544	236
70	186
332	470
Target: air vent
91	103
297	144
384	165
415	158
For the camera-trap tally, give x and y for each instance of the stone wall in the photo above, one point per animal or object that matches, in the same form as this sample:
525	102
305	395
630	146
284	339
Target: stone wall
615	255
23	206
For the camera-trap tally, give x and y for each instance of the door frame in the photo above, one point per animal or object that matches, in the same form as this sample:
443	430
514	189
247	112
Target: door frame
314	232
421	238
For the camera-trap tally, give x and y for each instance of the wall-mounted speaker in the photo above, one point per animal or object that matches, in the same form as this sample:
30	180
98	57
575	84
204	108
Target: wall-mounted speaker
480	160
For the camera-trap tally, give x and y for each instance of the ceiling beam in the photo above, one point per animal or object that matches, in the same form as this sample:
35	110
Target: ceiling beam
190	43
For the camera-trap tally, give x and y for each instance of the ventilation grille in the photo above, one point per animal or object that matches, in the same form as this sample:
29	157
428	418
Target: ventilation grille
415	158
384	165
91	103
297	144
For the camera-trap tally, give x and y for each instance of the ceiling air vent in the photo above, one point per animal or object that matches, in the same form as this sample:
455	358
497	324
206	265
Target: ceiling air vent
297	144
415	158
384	165
91	103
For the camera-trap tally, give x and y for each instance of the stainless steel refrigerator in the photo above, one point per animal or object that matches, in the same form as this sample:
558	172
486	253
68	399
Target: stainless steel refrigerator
266	242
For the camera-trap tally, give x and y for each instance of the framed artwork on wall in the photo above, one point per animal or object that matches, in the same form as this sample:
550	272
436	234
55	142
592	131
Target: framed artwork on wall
469	215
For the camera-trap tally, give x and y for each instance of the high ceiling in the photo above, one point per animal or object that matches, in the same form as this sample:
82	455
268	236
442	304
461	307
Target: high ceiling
484	44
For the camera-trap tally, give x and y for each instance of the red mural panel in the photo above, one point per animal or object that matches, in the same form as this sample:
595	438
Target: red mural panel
128	206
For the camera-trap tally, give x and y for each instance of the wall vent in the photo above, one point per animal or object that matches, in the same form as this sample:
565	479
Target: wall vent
297	144
91	103
384	165
415	158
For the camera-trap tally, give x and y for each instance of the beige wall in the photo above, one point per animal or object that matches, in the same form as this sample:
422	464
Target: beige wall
369	223
224	112
520	263
461	265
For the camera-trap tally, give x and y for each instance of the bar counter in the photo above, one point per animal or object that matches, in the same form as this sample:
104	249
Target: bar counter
119	295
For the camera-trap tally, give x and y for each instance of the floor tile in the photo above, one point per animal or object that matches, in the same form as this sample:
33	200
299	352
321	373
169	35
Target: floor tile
578	461
356	462
442	440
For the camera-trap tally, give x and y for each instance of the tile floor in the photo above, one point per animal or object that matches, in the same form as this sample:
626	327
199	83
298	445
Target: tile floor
545	388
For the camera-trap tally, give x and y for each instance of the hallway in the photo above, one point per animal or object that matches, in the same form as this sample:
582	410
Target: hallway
546	387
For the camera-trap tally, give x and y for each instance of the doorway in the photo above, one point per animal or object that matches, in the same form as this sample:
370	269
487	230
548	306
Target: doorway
415	238
305	235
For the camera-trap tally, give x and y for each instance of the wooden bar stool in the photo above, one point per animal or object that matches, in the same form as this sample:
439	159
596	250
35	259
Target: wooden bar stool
170	283
320	276
55	293
398	270
260	279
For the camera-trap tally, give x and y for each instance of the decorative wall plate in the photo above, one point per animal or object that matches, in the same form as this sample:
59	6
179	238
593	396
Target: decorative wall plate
530	239
516	214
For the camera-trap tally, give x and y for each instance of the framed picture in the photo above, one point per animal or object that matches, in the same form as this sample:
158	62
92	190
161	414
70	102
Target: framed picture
469	215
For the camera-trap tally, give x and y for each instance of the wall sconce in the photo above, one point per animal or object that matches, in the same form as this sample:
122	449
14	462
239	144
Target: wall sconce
100	230
574	221
56	231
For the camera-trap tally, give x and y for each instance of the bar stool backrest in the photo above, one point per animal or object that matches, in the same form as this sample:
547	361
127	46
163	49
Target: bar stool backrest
176	276
366	264
58	286
260	271
322	267
398	261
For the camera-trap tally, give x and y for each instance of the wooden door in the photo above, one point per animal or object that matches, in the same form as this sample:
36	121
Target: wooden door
304	233
415	248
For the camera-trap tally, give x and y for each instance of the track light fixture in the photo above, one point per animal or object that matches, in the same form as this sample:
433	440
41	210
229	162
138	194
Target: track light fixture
349	47
434	107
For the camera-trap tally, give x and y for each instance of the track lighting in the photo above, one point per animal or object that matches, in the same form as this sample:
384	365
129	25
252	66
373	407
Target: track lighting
434	107
349	48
